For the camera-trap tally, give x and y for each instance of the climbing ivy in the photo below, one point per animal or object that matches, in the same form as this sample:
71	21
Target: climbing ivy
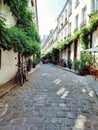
84	32
23	37
4	37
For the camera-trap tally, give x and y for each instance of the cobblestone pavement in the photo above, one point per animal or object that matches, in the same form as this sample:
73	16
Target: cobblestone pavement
53	99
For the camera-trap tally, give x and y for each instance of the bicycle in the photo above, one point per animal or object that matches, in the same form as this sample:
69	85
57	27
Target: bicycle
21	74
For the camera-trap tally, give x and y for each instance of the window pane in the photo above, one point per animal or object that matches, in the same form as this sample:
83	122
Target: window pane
96	4
84	14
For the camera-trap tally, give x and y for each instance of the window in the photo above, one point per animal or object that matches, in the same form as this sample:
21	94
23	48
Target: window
65	33
70	7
65	17
65	14
69	29
0	59
96	4
62	18
84	16
76	3
61	36
76	22
62	21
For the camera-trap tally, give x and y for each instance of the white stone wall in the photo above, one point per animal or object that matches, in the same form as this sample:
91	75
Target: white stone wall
8	58
8	66
10	20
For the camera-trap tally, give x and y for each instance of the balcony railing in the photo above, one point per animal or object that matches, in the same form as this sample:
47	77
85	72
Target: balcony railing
83	23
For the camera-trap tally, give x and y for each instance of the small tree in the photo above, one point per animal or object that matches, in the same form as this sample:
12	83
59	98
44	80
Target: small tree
82	65
76	64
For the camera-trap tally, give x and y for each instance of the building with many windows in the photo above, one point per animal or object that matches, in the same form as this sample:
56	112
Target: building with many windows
74	17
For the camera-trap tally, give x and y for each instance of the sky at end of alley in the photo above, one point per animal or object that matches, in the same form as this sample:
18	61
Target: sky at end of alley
48	11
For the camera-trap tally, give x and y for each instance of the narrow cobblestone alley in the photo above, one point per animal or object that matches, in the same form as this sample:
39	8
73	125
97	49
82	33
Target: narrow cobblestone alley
53	99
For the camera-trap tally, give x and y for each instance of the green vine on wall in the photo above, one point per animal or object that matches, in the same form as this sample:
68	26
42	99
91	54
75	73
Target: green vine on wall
24	36
4	37
83	33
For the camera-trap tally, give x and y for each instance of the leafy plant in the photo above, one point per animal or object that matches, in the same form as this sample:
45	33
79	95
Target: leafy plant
35	62
82	65
24	36
76	64
4	37
84	37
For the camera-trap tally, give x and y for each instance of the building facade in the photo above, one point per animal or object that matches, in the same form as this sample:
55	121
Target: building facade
9	59
74	16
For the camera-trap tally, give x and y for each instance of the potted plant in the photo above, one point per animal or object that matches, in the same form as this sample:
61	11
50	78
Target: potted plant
76	64
82	65
34	63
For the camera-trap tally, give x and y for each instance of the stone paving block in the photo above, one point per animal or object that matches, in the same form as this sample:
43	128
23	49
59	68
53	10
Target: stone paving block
16	114
77	128
32	120
57	121
69	122
66	109
37	127
4	122
61	114
64	128
37	113
6	128
17	121
54	104
50	113
26	114
84	110
77	110
43	120
72	115
20	128
51	127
